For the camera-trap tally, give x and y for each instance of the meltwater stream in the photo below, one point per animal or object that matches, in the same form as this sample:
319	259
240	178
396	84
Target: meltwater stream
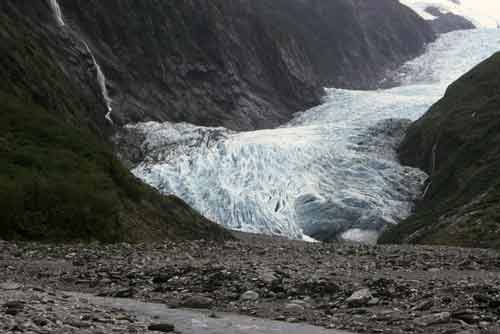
331	172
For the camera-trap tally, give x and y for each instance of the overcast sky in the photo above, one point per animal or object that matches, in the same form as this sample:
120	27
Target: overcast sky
487	7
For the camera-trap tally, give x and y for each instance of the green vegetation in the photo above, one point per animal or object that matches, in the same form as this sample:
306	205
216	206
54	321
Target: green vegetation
462	207
60	183
59	180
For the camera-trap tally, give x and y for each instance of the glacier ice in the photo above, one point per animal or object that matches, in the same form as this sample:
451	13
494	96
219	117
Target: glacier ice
331	172
482	13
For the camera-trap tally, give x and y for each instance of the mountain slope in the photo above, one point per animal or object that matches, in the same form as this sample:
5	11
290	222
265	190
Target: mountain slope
241	64
59	179
458	143
446	22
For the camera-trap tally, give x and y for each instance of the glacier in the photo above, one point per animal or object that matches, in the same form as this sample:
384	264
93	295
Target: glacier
329	173
482	13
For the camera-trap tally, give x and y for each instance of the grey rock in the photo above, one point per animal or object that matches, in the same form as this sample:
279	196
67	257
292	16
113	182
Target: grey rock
163	327
432	319
78	324
239	81
294	308
121	293
424	305
249	296
10	286
197	302
359	298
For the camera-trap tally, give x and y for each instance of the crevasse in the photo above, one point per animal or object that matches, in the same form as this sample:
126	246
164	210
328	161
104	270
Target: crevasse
331	172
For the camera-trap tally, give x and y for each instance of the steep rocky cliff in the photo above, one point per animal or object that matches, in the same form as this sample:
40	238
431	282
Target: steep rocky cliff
447	22
241	64
458	143
59	179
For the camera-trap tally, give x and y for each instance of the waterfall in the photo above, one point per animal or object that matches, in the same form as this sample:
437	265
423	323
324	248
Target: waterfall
57	12
101	79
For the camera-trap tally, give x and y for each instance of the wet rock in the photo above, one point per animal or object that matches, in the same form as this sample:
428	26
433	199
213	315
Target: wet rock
162	277
468	316
13	307
268	276
163	327
122	293
319	286
78	324
197	302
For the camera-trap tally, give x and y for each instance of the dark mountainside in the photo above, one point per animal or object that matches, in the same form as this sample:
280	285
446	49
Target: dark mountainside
59	179
241	64
458	143
447	22
210	62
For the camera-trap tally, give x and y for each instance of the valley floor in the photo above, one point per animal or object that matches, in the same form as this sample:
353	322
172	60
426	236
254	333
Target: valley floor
397	289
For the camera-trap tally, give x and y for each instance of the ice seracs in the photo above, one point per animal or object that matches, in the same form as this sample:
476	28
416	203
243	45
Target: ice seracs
331	172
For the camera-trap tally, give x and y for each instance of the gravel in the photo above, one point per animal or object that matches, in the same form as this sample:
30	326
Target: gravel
363	289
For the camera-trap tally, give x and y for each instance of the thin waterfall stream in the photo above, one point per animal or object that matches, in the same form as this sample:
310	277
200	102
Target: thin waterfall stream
101	78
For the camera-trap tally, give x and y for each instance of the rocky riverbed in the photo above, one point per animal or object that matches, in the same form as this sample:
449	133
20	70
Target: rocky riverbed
357	288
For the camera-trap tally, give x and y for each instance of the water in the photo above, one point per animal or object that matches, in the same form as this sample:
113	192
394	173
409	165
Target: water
330	172
201	322
101	78
57	12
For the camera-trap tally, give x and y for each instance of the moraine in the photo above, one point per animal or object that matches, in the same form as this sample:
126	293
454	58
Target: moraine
331	172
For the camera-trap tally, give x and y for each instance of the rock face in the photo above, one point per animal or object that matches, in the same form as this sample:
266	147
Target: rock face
458	143
59	179
447	22
241	64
